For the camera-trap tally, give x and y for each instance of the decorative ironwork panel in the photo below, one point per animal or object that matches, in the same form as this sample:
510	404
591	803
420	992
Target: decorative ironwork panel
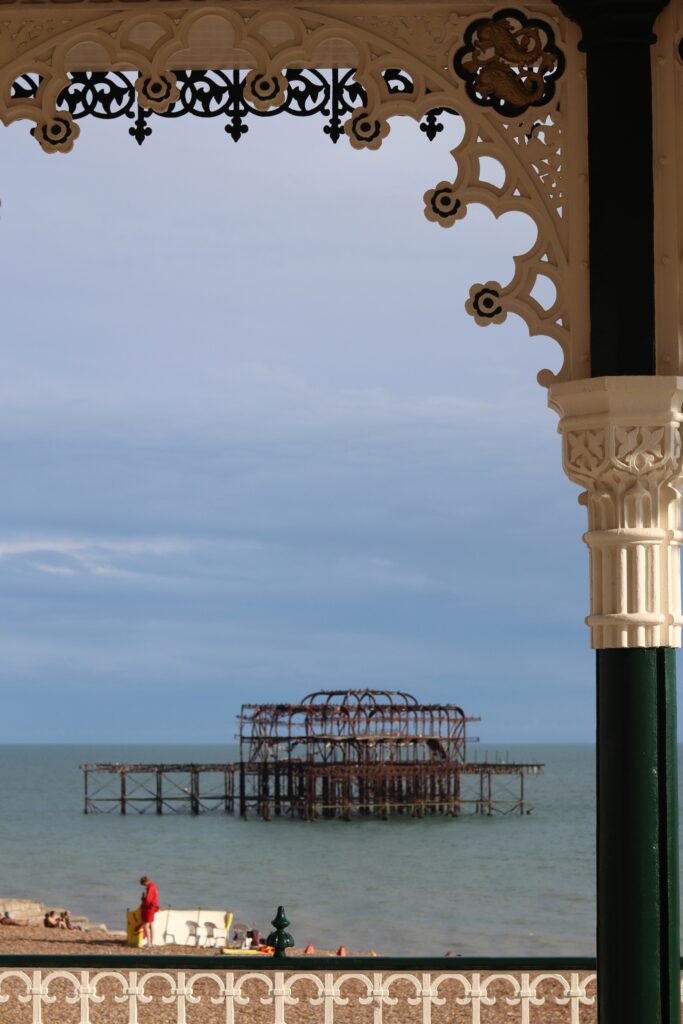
226	94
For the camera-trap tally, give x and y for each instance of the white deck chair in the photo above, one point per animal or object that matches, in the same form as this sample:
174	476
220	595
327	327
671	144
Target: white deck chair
195	933
217	926
179	930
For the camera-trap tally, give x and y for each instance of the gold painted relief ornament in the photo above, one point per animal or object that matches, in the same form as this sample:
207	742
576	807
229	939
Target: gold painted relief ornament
56	134
265	91
485	305
442	205
365	131
509	62
157	92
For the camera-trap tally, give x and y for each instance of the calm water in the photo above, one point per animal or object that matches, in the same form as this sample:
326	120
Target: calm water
475	885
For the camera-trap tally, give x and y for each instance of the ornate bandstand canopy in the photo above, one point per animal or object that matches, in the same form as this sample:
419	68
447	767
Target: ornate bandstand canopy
515	78
579	105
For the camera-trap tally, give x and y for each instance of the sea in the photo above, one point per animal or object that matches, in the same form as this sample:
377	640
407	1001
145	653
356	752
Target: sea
503	885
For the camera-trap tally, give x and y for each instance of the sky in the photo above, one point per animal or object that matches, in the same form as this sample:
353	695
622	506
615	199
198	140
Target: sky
253	446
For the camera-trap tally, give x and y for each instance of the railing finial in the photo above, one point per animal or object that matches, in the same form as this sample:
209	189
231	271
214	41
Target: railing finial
280	938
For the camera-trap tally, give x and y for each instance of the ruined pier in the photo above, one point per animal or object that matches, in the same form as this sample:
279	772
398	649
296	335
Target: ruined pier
336	754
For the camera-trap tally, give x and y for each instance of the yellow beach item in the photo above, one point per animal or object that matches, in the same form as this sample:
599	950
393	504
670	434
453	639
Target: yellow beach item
247	952
135	936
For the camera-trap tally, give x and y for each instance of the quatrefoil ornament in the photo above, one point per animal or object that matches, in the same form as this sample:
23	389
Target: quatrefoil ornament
509	62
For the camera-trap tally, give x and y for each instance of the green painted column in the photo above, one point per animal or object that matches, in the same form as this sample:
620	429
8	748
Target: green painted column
637	828
622	443
637	838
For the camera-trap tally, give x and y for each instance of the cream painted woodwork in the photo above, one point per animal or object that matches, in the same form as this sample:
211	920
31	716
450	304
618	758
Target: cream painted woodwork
542	151
621	441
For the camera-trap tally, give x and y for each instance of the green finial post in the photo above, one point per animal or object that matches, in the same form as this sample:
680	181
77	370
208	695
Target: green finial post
280	938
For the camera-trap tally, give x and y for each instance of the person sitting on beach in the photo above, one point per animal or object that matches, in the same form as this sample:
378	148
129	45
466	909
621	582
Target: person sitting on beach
7	920
53	920
148	908
66	922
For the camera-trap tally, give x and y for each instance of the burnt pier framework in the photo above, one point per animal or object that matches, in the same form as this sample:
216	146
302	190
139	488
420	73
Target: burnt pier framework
336	754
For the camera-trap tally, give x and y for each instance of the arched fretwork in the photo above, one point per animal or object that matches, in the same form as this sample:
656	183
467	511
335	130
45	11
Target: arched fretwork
514	75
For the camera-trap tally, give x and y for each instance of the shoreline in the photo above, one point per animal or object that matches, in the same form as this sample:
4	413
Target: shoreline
36	939
90	938
350	1005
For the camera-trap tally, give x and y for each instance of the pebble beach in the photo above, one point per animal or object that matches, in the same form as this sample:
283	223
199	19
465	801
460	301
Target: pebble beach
36	939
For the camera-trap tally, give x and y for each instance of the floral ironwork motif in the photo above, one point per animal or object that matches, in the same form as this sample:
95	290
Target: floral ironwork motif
265	91
442	205
484	303
234	95
366	131
630	450
157	93
586	450
57	134
509	62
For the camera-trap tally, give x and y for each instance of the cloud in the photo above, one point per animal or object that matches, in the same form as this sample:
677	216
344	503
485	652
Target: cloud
55	570
250	402
246	566
82	548
93	555
265	449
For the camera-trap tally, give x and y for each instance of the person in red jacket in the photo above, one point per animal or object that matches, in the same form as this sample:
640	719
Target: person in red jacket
148	908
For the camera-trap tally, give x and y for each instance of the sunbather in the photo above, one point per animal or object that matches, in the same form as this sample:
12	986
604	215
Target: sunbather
66	922
7	920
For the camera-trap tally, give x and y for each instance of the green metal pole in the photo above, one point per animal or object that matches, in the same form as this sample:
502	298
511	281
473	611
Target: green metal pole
638	907
637	840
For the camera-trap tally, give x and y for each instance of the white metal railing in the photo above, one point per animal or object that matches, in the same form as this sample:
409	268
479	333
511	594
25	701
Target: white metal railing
225	997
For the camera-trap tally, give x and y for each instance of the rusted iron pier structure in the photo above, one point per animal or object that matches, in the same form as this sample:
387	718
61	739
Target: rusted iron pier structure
336	754
159	788
344	753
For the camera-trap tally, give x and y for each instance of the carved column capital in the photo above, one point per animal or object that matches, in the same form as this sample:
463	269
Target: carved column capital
621	441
